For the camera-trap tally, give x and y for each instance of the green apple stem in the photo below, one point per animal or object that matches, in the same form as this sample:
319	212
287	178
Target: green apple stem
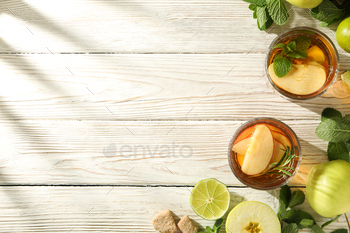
347	221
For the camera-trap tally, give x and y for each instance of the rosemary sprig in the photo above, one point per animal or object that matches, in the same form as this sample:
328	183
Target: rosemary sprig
281	168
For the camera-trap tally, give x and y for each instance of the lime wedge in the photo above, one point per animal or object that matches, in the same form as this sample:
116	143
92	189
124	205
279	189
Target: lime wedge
346	80
210	199
252	216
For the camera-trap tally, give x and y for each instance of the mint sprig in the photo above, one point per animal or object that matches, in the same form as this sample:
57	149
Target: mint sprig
335	129
268	11
328	12
296	48
298	219
331	11
216	228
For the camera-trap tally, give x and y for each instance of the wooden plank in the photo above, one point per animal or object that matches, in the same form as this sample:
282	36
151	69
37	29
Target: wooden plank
150	86
140	26
102	209
131	152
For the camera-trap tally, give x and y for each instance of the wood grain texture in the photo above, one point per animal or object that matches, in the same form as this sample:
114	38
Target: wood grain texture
150	86
131	152
108	209
139	26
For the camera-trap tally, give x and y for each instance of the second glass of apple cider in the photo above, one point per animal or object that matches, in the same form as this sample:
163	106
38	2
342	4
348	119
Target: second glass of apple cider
321	46
252	169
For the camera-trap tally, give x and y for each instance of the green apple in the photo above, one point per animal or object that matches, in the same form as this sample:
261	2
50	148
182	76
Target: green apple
305	3
328	188
343	34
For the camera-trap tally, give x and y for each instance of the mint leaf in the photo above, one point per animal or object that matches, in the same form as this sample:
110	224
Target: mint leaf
252	7
340	231
338	150
291	45
316	229
254	15
291	228
298	198
297	54
330	221
307	223
282	66
326	12
285	195
263	18
280	45
296	216
346	119
217	225
303	42
333	130
257	2
209	230
282	211
330	113
277	11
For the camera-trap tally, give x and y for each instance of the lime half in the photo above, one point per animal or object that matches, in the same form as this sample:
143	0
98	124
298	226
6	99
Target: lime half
210	199
346	80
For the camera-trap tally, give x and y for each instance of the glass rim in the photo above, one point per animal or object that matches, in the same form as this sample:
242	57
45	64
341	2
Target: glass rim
261	120
291	95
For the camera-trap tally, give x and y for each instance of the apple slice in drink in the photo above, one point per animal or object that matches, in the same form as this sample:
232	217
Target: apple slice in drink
240	159
241	146
278	152
259	152
281	138
245	134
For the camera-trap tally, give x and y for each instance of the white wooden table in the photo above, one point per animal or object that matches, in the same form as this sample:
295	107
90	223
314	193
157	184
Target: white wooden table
79	77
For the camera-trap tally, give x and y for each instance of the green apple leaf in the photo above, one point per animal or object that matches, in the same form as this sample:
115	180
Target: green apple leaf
316	229
298	198
338	150
330	221
330	113
333	130
291	228
296	216
277	11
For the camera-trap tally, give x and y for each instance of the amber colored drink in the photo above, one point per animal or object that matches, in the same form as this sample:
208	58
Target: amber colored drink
318	39
283	136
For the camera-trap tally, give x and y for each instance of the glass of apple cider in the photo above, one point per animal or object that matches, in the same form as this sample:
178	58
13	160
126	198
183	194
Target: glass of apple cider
259	145
311	76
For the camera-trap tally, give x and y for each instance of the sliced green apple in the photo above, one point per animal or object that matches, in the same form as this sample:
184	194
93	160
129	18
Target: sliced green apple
252	216
259	152
301	79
